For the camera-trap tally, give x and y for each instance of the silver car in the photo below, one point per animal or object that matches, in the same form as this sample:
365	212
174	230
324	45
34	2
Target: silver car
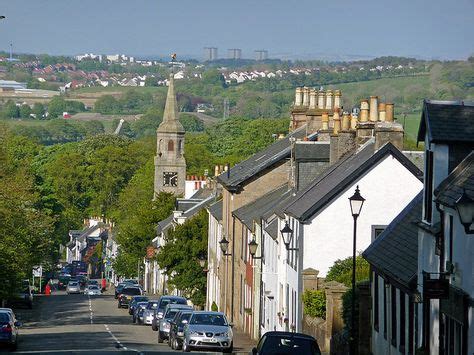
165	326
73	287
208	331
149	311
92	290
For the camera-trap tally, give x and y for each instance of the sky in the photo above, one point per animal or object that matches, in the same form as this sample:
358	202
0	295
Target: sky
286	28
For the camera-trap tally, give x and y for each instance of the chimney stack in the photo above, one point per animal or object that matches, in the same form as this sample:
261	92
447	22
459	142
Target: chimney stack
329	100
305	96
374	109
346	121
337	99
382	111
299	96
321	99
313	99
216	170
389	112
364	111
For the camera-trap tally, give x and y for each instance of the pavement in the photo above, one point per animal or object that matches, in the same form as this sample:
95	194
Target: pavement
76	324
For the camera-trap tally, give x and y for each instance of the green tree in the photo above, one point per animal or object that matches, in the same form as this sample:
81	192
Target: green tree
56	107
341	271
38	110
107	104
185	244
25	111
314	302
11	110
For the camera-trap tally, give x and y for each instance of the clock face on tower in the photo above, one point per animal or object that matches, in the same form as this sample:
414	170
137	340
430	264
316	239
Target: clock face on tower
170	178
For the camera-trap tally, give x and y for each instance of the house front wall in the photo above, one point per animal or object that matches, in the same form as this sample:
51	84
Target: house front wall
233	266
388	187
214	257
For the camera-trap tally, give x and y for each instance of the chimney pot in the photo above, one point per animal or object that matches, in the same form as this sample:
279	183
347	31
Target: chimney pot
364	111
216	170
354	122
313	99
305	96
374	109
337	99
337	122
382	111
389	112
325	120
298	96
329	100
321	99
346	121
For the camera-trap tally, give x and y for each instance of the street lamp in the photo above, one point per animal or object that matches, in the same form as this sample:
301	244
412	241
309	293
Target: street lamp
287	236
224	243
253	245
465	208
356	201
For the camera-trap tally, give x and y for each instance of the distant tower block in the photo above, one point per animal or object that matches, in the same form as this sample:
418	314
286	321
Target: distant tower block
234	53
210	53
261	54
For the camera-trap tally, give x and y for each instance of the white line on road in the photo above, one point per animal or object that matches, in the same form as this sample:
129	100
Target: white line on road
118	343
90	308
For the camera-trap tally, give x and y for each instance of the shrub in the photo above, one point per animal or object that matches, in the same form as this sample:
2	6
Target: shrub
214	307
315	303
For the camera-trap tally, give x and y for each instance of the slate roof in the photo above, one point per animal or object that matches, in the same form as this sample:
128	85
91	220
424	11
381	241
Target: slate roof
254	210
202	193
185	204
272	229
258	162
164	224
447	121
198	207
337	177
216	210
306	151
461	178
395	252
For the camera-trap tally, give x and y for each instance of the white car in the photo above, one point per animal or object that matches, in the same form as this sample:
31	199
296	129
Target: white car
92	290
73	287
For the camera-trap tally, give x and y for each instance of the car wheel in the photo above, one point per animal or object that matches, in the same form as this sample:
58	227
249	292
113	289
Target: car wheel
153	325
160	339
176	344
171	343
186	347
229	350
134	319
118	305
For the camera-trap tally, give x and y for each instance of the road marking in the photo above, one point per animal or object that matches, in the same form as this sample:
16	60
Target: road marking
90	309
118	344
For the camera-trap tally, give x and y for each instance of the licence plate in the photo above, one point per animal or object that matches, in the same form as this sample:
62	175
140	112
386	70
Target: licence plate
212	340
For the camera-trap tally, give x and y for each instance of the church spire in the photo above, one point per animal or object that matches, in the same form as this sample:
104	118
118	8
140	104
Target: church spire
171	114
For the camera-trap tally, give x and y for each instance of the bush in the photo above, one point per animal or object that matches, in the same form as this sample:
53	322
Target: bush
341	271
214	307
315	303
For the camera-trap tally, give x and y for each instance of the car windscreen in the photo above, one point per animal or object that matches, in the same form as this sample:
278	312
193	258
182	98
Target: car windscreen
131	291
288	346
4	317
93	287
152	305
208	319
170	313
185	316
166	301
140	299
73	284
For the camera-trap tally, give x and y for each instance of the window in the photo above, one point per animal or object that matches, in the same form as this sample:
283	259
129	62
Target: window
451	336
402	322
242	247
376	302
451	239
393	301
376	231
428	187
170	146
242	294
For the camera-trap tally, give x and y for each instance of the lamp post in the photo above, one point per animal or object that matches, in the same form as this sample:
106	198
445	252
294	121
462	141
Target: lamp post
356	201
224	244
287	235
465	208
253	245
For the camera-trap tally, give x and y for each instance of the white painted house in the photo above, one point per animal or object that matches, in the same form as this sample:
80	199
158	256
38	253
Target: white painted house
445	325
215	254
320	217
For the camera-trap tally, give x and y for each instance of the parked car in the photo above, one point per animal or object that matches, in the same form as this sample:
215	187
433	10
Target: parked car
73	287
82	279
138	311
149	311
119	289
63	280
127	294
286	343
170	311
208	330
164	301
177	328
92	282
132	282
93	290
9	329
134	301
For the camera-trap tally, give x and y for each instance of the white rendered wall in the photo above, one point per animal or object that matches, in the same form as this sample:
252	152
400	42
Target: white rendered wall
270	284
388	187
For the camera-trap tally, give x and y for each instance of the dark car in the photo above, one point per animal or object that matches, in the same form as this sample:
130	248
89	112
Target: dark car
134	301
126	295
286	343
177	326
138	311
63	280
8	329
164	301
119	289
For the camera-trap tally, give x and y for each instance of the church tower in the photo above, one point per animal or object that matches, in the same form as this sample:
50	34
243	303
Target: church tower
170	165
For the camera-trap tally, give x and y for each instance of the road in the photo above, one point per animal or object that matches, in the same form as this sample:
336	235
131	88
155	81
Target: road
63	323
